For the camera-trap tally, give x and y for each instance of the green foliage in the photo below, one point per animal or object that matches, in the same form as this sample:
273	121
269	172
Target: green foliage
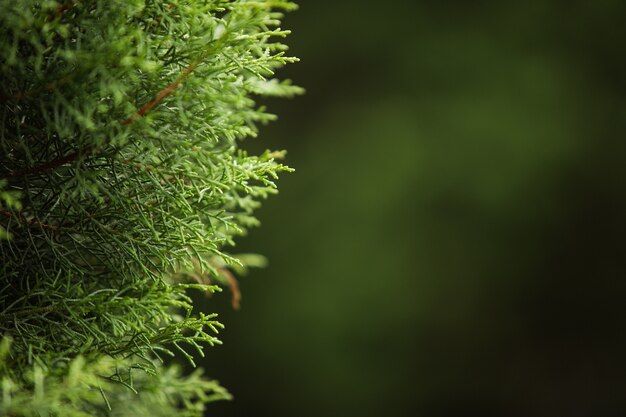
85	388
121	185
9	200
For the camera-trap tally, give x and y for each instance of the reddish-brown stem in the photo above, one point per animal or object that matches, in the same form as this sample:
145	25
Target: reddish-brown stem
23	220
65	6
48	165
162	94
49	87
140	113
233	284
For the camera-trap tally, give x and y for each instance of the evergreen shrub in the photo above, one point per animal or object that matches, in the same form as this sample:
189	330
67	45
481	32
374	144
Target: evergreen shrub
122	186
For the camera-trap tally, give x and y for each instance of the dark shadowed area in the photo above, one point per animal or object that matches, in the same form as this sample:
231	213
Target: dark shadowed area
452	241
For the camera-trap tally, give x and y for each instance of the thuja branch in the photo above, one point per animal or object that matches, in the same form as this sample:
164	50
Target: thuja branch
145	203
21	219
162	94
89	149
50	165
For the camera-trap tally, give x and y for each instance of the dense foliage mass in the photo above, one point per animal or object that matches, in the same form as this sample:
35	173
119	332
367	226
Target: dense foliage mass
121	185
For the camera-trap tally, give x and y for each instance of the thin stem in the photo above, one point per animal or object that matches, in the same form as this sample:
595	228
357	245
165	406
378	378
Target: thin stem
48	165
162	94
24	221
75	155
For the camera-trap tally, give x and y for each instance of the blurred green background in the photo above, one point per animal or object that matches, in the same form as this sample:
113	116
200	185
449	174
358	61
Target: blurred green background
452	241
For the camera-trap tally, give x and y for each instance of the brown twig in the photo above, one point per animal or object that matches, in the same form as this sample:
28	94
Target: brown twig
65	6
204	278
162	94
23	220
20	95
233	285
140	113
48	165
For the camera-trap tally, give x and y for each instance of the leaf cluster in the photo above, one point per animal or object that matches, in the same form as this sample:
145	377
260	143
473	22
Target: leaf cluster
121	187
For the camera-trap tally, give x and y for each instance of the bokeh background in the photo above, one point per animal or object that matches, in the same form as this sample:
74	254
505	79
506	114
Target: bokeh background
452	241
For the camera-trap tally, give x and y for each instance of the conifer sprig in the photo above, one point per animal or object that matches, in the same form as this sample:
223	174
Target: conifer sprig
121	186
